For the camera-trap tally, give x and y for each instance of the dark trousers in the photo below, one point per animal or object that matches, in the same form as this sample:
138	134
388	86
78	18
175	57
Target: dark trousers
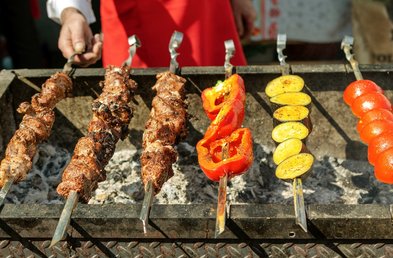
17	25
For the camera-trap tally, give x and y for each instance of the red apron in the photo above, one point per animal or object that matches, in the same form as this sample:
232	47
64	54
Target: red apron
206	24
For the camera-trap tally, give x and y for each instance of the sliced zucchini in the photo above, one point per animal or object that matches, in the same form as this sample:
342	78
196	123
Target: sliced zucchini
287	149
291	113
289	130
291	98
295	166
282	84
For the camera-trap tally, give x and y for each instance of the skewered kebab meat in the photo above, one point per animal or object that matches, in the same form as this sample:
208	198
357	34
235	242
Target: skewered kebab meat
111	116
36	125
165	126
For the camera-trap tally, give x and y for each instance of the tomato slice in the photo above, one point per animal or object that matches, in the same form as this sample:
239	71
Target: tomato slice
375	114
378	145
359	88
361	105
375	128
384	167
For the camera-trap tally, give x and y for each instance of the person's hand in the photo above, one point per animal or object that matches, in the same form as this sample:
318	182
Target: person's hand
76	36
245	15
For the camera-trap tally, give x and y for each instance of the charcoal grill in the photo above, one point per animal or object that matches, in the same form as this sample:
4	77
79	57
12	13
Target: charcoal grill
252	230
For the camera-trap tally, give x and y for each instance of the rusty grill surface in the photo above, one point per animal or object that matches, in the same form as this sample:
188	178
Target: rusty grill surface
252	230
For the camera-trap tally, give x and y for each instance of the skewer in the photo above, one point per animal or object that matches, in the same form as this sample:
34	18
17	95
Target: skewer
73	196
298	198
68	69
134	43
6	188
222	186
65	218
346	46
222	197
174	44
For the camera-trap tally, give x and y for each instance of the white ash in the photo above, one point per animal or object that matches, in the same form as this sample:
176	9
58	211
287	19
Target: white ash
331	181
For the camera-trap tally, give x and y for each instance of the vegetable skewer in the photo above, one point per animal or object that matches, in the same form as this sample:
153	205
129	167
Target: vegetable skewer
222	185
291	156
374	110
226	149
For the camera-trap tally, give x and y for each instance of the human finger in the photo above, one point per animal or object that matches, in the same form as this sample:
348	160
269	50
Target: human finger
65	42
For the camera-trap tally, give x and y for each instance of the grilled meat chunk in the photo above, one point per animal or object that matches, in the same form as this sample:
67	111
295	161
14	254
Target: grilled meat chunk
165	126
36	125
111	116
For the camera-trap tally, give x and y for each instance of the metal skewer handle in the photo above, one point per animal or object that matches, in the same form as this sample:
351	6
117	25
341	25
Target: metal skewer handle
68	69
134	43
229	53
281	45
346	46
174	44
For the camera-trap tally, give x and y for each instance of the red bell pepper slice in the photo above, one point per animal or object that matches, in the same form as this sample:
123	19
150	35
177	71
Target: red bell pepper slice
240	154
214	98
229	119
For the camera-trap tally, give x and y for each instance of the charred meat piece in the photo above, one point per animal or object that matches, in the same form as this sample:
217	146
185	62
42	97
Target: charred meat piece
111	116
165	126
36	125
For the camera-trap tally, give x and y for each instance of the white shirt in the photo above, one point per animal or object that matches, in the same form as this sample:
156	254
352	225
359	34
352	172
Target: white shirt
56	7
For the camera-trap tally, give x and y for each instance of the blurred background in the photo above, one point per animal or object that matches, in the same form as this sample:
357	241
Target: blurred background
315	28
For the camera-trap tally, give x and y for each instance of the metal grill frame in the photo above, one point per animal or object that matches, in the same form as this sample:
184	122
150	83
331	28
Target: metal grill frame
265	230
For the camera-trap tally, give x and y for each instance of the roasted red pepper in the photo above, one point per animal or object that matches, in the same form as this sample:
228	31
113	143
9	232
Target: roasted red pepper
240	155
224	104
213	98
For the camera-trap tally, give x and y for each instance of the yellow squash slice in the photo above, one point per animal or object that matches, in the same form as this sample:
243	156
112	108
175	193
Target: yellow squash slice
292	98
289	130
291	113
295	166
282	84
287	149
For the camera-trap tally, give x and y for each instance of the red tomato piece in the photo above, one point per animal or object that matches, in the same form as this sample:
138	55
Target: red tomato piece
384	167
378	145
375	128
375	114
359	88
361	105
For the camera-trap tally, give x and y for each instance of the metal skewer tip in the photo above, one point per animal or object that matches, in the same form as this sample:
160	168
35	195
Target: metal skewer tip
4	191
65	218
221	205
281	45
300	210
222	197
346	46
147	201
